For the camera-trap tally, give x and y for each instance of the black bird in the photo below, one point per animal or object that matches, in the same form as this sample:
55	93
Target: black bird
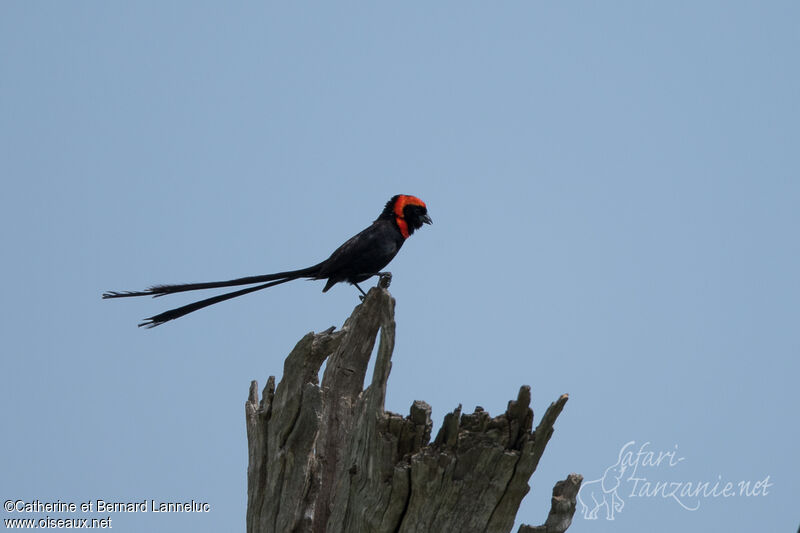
358	259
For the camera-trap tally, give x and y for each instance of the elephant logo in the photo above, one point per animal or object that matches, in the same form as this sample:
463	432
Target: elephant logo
602	492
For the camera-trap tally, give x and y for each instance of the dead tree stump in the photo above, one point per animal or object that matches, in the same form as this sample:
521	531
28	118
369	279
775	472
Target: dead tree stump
330	459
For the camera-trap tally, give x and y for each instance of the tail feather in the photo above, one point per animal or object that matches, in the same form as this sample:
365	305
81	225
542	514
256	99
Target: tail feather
172	314
161	290
178	312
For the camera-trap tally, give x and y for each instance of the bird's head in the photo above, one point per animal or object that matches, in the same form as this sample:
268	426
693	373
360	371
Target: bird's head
408	212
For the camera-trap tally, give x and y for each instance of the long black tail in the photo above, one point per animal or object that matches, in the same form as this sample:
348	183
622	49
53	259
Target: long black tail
172	314
178	312
161	290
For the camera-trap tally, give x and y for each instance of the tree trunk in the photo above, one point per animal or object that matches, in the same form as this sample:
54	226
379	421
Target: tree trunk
330	459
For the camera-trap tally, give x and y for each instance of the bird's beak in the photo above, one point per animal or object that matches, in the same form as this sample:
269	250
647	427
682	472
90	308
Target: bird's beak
426	219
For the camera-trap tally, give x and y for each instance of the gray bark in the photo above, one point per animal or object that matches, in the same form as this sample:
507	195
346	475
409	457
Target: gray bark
562	507
330	459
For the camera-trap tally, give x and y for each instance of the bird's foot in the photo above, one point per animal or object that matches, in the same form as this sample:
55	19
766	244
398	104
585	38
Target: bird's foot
384	280
363	294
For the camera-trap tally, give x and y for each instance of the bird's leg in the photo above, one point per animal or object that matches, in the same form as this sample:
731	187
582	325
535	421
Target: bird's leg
363	294
384	279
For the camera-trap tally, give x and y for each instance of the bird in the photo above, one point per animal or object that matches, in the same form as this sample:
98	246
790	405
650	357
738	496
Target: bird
362	256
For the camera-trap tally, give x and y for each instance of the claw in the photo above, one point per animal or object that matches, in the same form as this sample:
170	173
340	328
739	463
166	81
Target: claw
384	279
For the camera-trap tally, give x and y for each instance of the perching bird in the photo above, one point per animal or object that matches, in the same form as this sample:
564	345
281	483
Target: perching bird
358	259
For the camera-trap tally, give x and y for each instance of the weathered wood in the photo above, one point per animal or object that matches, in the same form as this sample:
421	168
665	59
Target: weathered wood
330	459
562	507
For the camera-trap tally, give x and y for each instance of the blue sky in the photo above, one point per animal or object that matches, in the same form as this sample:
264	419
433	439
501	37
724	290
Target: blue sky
614	190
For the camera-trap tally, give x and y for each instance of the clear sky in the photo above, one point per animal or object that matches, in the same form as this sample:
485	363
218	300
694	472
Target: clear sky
614	189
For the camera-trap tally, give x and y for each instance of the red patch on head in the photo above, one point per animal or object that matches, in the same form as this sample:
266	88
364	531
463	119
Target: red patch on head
402	201
401	223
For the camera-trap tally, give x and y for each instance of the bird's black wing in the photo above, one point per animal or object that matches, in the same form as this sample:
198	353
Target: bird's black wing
363	255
